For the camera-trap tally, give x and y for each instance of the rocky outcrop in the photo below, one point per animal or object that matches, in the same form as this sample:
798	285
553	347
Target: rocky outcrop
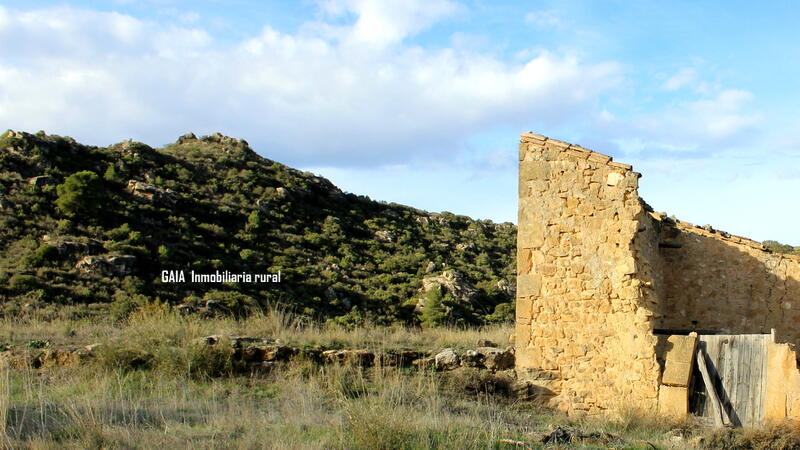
151	193
73	245
40	181
447	359
450	282
385	236
186	137
46	358
107	266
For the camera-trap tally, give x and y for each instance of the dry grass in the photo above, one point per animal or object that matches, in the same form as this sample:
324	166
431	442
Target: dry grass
275	323
186	397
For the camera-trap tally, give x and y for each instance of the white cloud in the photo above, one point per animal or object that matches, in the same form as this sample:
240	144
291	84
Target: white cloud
698	128
545	18
384	22
310	96
683	78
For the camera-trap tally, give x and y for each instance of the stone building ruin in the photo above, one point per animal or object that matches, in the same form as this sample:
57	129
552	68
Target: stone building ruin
614	300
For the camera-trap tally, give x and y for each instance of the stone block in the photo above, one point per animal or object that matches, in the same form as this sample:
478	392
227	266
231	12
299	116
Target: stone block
673	401
679	360
614	178
528	285
534	170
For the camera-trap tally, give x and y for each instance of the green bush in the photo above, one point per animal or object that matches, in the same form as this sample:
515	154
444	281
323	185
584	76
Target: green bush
125	303
42	256
20	283
433	313
81	193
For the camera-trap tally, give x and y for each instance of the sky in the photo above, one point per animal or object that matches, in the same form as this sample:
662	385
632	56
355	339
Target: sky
421	102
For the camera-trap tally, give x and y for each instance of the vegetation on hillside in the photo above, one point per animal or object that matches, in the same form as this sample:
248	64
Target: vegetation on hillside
777	247
98	225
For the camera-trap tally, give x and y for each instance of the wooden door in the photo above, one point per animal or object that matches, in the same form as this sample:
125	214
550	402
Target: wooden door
737	365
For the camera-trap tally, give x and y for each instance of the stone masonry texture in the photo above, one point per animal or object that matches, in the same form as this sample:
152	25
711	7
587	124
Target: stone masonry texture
598	272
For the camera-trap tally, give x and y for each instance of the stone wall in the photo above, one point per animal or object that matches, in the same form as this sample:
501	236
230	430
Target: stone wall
588	279
719	282
599	273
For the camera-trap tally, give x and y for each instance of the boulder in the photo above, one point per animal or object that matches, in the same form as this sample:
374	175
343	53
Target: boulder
66	246
471	358
385	236
486	343
453	283
151	193
497	358
360	358
107	266
40	181
402	358
187	137
447	359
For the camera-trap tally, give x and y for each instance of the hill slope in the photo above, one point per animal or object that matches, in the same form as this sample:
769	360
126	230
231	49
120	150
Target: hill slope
98	225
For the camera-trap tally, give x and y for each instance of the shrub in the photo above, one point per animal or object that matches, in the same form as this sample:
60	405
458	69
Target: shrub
433	314
80	193
42	255
20	283
126	303
237	303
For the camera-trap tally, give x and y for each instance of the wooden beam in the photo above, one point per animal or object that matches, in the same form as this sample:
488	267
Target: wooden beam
720	416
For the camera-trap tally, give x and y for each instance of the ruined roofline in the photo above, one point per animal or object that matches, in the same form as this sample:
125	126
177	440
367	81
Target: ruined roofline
574	150
728	237
584	153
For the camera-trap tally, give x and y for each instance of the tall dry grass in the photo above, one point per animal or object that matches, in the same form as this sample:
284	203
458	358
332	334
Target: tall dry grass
157	323
305	406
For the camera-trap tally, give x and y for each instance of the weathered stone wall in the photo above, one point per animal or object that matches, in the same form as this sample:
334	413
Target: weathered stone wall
719	282
588	284
598	272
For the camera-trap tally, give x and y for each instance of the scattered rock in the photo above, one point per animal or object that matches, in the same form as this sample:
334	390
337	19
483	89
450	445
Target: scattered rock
471	358
430	267
385	236
453	282
66	246
428	362
281	193
107	266
92	347
360	358
486	343
447	359
402	358
40	181
510	289
185	308
151	193
465	246
571	436
186	138
330	293
496	358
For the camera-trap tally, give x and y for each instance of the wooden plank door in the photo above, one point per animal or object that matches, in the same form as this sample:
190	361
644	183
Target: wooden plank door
737	364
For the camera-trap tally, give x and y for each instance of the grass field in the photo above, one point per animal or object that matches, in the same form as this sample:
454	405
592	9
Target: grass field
175	402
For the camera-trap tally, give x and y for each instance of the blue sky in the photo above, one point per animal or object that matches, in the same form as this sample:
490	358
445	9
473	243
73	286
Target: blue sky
421	101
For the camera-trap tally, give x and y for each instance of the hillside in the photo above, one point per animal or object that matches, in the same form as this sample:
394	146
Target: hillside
96	226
